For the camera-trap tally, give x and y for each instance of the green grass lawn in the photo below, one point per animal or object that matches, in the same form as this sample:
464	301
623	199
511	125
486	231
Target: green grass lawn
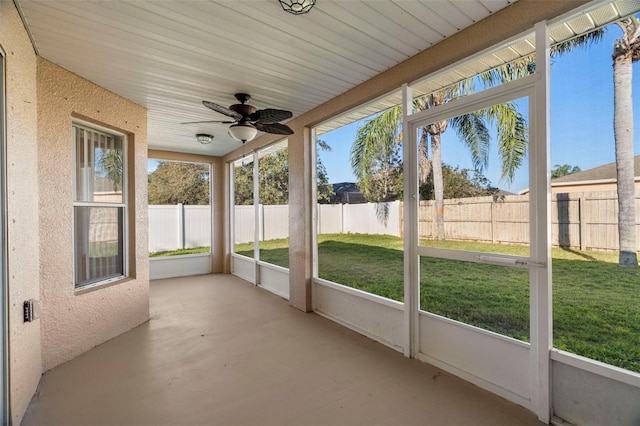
178	252
596	304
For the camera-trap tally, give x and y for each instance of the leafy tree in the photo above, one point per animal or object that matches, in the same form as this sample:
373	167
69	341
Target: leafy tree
564	170
273	171
324	189
274	178
174	182
626	50
458	183
243	184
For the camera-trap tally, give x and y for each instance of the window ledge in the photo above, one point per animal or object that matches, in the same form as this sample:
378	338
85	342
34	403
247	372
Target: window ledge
100	285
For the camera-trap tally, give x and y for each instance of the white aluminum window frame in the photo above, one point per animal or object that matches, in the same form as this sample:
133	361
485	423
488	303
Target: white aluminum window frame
535	87
122	205
4	294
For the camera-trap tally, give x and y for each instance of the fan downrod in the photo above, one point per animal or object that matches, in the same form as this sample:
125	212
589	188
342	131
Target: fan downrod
242	97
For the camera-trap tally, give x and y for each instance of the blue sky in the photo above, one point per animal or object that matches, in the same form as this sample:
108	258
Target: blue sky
581	119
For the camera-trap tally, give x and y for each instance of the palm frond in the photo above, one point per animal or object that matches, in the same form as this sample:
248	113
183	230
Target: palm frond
471	129
583	40
375	136
513	137
513	70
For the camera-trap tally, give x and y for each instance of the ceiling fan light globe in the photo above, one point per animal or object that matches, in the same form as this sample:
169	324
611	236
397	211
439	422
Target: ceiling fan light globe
297	7
204	138
243	132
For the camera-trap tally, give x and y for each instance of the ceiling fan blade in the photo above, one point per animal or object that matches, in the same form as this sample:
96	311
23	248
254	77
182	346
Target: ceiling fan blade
275	128
270	115
208	121
222	110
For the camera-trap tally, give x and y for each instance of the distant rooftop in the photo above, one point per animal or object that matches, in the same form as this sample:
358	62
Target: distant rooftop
604	172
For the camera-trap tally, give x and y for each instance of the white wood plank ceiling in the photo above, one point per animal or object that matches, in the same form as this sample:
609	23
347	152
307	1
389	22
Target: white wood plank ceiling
168	56
596	16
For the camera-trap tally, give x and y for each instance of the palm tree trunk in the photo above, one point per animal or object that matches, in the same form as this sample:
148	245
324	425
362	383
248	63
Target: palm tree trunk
623	131
424	168
438	183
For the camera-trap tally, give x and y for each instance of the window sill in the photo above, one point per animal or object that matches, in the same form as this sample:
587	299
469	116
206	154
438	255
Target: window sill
100	285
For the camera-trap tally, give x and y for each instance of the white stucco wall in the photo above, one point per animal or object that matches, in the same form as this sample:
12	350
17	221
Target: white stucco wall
25	360
73	321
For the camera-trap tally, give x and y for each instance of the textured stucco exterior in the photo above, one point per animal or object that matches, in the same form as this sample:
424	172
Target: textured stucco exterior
75	321
589	187
25	359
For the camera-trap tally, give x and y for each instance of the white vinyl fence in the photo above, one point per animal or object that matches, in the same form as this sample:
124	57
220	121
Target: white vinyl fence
179	226
371	218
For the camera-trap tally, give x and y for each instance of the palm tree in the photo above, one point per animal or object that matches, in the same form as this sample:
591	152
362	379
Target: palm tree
380	134
374	157
563	170
110	164
626	50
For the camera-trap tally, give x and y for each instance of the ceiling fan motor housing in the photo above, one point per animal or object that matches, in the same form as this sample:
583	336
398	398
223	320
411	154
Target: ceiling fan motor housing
243	109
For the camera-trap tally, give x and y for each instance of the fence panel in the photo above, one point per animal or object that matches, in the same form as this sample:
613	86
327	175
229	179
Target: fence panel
467	218
511	218
244	224
163	231
179	226
579	220
372	218
330	218
275	222
197	226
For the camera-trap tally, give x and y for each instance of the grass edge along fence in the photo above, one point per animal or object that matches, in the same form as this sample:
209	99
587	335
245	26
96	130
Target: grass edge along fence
596	304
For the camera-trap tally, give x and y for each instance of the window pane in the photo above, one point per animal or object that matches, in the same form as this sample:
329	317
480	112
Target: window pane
596	302
359	214
495	298
244	210
474	181
98	166
179	210
99	243
274	204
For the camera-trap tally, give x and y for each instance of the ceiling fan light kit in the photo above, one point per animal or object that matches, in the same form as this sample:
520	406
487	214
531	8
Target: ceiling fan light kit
204	138
248	120
297	7
243	132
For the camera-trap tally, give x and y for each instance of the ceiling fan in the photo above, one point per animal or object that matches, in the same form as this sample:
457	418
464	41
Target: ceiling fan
248	120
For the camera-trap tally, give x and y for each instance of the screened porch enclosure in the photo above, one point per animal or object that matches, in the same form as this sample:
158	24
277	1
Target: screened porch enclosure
482	303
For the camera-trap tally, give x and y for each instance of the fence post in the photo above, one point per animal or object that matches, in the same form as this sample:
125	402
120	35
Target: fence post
261	214
583	224
180	211
341	218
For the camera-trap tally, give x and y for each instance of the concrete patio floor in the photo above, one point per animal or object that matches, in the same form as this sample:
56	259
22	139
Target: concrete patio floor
220	351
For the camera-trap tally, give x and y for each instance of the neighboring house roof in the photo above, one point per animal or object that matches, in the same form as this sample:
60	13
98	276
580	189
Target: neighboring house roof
346	193
345	187
606	172
501	193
